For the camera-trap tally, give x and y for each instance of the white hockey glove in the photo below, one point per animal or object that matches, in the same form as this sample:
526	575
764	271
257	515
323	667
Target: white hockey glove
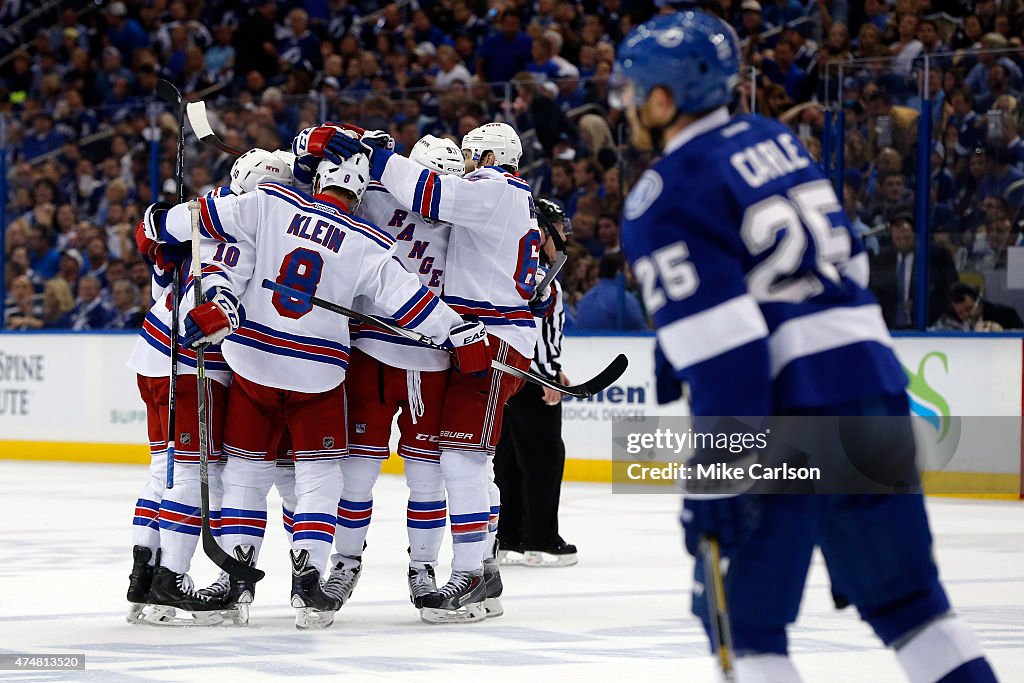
214	320
153	220
378	139
471	355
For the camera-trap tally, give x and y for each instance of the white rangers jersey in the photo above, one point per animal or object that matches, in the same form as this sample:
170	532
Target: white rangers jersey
494	243
310	244
151	356
420	246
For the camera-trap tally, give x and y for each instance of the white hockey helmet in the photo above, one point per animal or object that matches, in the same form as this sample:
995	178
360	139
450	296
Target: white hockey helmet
499	138
259	166
438	155
352	174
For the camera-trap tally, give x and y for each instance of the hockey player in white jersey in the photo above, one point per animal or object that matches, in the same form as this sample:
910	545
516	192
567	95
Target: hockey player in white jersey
490	274
290	358
167	522
387	375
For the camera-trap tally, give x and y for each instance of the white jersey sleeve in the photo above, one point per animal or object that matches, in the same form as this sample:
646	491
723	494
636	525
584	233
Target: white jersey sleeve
421	247
308	243
493	247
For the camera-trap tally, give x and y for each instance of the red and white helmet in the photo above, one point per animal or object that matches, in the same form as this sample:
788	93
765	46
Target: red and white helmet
499	138
352	174
438	155
259	166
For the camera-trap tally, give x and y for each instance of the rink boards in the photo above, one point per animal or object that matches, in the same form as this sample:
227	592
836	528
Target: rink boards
70	397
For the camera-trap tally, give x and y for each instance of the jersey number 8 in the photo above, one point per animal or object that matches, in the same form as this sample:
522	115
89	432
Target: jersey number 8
301	269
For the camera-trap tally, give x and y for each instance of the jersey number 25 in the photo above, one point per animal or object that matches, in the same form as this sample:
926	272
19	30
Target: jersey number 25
803	211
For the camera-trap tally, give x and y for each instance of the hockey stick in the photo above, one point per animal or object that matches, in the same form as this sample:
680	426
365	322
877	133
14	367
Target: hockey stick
587	389
718	613
166	91
231	565
197	116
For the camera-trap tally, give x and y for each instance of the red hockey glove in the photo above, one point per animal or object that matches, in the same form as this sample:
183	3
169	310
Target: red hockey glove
163	256
214	320
471	352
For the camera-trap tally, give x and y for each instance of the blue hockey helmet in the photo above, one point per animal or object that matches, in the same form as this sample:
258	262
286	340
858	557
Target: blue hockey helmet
694	55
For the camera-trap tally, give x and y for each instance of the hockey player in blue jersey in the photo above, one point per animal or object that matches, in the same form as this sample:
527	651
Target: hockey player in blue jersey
758	290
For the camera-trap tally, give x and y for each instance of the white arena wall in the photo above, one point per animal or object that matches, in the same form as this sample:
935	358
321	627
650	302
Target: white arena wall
70	397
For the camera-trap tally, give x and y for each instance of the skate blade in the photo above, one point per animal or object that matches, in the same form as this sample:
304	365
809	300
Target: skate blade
534	558
467	614
161	615
239	614
309	619
510	558
493	608
135	612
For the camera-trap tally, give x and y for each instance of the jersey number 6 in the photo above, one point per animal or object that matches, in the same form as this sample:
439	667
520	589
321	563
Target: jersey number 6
301	269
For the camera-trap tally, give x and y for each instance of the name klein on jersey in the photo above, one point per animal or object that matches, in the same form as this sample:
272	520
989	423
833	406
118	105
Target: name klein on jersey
323	233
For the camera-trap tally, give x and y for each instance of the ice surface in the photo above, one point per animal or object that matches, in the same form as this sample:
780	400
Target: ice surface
622	614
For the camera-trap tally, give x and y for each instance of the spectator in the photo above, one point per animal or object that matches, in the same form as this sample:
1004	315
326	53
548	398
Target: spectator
506	53
541	66
23	309
991	244
44	260
123	32
543	113
1000	176
969	312
609	306
894	274
892	197
977	77
43	138
563	184
299	47
998	81
450	69
90	311
127	314
588	175
608	233
751	20
970	127
889	124
70	270
852	207
254	40
781	69
57	303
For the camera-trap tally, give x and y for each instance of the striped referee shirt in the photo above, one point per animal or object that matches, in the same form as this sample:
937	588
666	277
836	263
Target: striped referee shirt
549	343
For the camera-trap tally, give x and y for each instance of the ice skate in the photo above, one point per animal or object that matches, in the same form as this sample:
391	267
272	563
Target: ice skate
177	592
421	583
460	601
492	588
235	594
510	557
342	581
562	554
139	583
314	608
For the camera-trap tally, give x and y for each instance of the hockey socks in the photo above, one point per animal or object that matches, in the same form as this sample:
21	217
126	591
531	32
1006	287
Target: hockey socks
244	507
317	490
944	651
467	481
426	512
355	507
145	524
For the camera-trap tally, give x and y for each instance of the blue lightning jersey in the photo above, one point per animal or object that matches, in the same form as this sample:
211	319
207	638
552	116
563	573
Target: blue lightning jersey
754	279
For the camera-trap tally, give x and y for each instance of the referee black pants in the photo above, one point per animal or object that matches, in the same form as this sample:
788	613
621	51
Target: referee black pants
528	466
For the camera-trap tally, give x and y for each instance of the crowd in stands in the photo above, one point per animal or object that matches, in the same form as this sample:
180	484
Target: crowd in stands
77	86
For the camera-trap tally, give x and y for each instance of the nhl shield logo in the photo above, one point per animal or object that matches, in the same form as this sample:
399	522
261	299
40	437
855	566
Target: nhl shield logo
328	442
185	438
360	428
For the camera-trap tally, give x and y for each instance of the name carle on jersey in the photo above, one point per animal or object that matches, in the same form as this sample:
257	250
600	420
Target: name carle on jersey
786	293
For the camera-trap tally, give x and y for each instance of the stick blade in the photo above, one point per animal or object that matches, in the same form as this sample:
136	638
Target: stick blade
606	377
290	292
231	565
196	113
168	92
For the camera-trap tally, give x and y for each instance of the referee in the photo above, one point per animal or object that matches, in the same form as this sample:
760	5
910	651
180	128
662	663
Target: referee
530	457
